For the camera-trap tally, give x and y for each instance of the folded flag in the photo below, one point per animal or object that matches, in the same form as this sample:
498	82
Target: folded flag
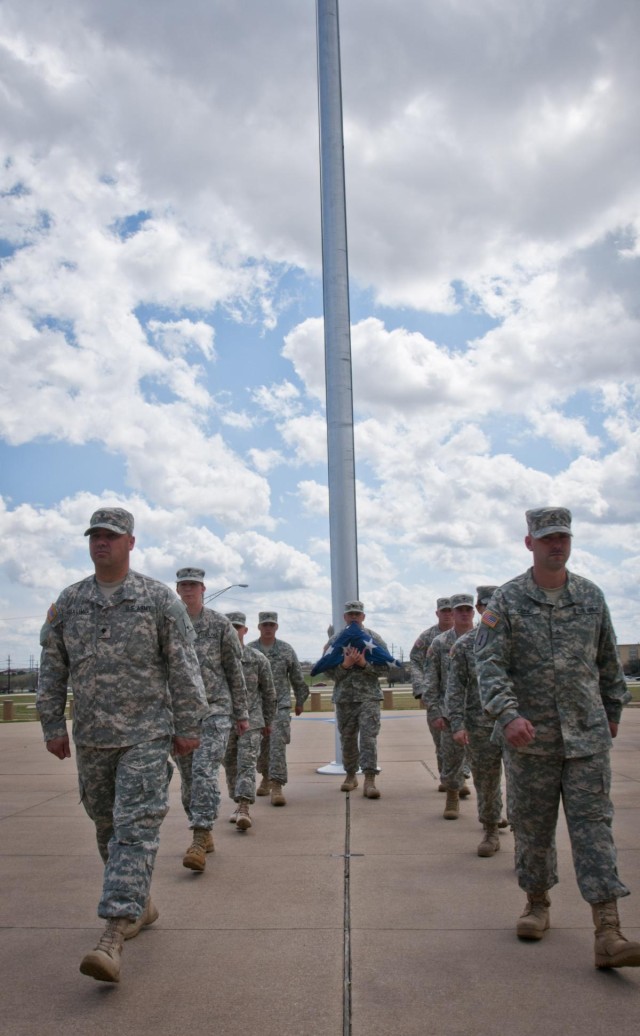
354	635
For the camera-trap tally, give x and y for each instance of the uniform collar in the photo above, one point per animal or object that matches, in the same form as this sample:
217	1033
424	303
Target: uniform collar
538	593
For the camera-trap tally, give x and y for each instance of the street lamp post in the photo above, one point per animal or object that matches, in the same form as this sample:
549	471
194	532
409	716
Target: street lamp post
219	593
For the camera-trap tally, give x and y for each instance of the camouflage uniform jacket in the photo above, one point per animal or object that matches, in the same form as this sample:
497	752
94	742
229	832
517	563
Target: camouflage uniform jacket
418	658
220	656
359	683
286	672
462	696
556	665
261	691
436	673
130	661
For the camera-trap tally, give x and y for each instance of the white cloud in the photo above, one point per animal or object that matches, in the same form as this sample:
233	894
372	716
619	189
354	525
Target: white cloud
177	336
240	420
161	187
565	432
265	461
314	498
279	401
307	438
274	563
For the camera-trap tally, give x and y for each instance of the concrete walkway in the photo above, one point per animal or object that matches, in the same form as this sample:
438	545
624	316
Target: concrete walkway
329	885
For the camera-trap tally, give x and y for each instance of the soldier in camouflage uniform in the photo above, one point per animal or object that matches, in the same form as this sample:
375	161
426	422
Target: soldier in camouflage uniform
125	644
418	653
550	676
286	672
220	658
241	756
357	696
436	674
418	659
470	726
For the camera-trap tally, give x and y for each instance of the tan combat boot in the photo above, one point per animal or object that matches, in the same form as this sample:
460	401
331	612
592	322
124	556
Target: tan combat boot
264	787
243	821
195	857
277	795
452	805
350	783
465	791
613	950
103	962
370	791
534	920
490	842
234	816
147	917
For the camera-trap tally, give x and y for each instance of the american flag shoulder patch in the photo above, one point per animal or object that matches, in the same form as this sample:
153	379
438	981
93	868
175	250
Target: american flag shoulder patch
490	619
51	613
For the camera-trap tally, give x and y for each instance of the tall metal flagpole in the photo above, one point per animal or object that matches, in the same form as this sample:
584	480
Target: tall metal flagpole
337	327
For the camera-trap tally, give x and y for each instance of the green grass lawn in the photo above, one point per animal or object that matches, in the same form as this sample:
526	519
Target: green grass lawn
635	691
24	709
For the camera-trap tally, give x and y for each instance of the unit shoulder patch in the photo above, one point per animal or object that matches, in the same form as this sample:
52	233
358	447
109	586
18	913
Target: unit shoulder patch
482	638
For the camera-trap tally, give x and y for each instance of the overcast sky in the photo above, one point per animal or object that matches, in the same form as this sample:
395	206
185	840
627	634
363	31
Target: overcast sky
161	300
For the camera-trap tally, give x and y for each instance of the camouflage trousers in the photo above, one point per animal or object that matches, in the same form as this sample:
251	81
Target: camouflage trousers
536	785
272	760
437	741
200	789
240	764
453	761
125	791
359	726
486	767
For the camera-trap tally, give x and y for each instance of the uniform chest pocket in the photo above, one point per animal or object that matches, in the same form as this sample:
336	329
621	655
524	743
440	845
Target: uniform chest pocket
278	668
531	638
138	639
80	637
577	629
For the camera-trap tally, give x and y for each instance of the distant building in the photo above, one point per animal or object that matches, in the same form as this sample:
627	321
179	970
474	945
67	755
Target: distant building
630	657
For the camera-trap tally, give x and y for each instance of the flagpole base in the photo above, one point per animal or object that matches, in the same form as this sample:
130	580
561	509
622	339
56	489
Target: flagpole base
332	769
335	769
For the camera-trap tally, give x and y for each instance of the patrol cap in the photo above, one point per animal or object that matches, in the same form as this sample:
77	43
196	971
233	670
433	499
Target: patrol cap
267	617
190	575
354	606
443	604
237	618
542	521
115	519
462	600
485	593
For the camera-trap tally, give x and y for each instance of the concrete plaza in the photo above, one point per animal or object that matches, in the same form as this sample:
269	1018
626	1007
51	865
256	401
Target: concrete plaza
333	915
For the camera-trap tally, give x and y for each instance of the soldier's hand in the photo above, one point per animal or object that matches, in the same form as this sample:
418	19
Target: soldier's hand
241	726
185	745
520	732
59	746
298	710
265	731
613	728
461	737
440	723
353	657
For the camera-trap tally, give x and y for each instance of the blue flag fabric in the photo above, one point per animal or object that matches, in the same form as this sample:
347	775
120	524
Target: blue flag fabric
353	635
